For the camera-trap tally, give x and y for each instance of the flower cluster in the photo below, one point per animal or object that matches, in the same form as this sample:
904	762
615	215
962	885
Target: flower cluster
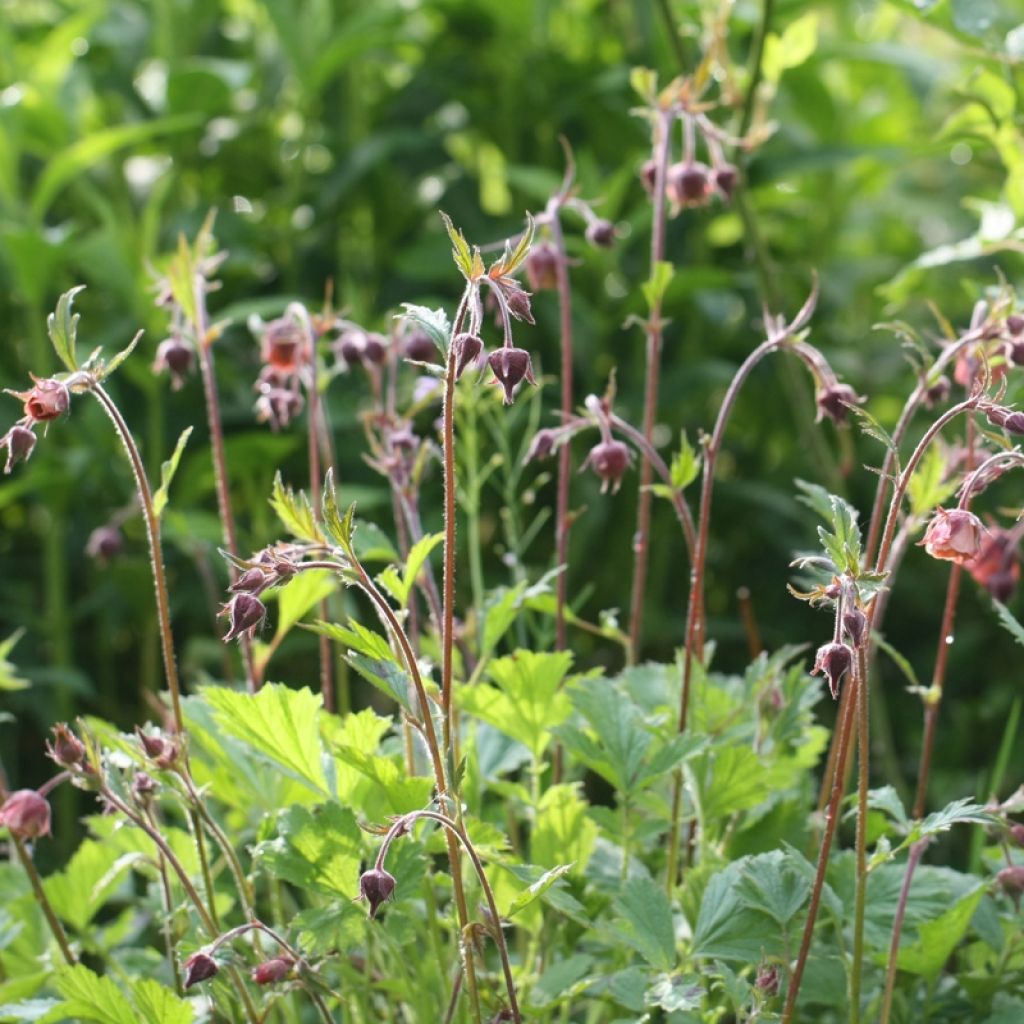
46	400
286	348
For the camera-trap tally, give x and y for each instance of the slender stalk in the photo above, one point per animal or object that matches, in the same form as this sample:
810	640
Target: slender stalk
755	67
39	892
430	735
155	550
654	328
562	524
204	343
913	859
315	475
168	902
831	821
860	895
457	830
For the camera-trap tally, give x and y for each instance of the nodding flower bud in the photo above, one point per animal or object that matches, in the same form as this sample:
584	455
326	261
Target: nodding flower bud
376	886
375	348
46	400
66	748
997	564
542	266
252	581
143	787
937	393
954	535
104	543
834	399
1015	324
272	971
835	660
1017	831
1015	351
199	967
511	366
19	442
767	981
609	460
519	304
467	351
350	346
649	175
1012	422
855	622
162	752
284	344
174	356
26	814
542	445
245	615
420	347
601	233
725	180
688	184
1011	879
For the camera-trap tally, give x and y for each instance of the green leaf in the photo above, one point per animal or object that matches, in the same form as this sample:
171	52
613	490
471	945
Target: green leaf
464	259
280	723
94	146
340	527
433	321
389	788
87	881
936	939
562	832
9	679
167	471
538	888
111	365
887	800
87	996
371	656
959	812
674	993
513	258
414	562
295	512
795	45
561	981
685	465
159	1005
842	543
655	287
62	327
644	82
928	486
1015	629
304	591
316	848
643	905
527	702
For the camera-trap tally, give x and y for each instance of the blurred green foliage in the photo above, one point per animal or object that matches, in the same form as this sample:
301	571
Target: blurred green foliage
327	134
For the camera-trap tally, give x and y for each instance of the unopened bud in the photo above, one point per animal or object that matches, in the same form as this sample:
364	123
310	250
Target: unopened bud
420	347
601	233
511	366
834	660
274	970
19	441
542	266
609	460
174	356
26	814
376	886
199	967
467	351
104	543
66	748
245	615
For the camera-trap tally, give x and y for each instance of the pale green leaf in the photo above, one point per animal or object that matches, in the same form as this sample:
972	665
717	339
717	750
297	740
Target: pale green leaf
304	591
9	678
62	326
562	831
87	996
643	906
167	471
295	512
277	722
538	888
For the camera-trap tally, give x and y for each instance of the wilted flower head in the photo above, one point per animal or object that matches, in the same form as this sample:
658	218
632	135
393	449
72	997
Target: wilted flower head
834	399
954	535
175	356
278	405
376	887
19	442
511	366
688	184
26	814
199	967
609	460
284	344
104	543
66	748
835	660
542	266
273	970
245	615
996	566
45	400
